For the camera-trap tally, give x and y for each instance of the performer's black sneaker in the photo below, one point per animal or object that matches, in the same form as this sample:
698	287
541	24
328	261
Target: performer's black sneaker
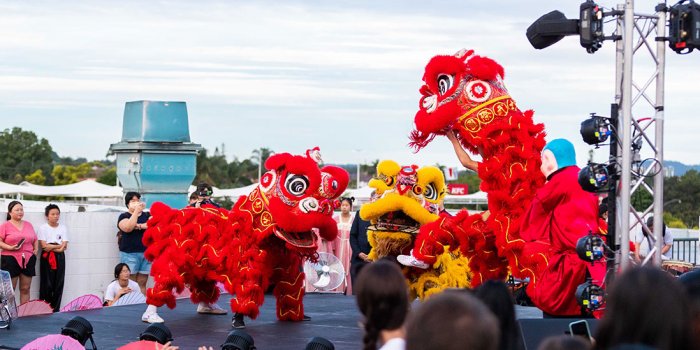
306	318
238	322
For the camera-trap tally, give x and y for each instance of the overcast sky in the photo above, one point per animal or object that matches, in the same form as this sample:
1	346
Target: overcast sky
290	75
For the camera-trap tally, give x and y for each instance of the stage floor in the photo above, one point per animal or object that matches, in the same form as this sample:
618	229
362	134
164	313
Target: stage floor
334	317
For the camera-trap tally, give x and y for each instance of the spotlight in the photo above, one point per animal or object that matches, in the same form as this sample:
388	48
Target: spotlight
591	26
319	343
79	329
595	130
590	248
552	27
590	296
594	177
158	333
549	29
684	27
238	340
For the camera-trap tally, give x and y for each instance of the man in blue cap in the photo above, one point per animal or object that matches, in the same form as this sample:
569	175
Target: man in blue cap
560	214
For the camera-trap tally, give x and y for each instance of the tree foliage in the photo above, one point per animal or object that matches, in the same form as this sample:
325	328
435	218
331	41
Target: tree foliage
37	177
109	176
23	153
686	188
68	174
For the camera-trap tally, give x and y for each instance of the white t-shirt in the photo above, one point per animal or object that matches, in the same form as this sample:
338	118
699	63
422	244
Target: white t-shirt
113	288
644	247
53	235
394	344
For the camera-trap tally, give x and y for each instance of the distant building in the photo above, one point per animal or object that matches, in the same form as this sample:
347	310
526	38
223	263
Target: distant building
669	171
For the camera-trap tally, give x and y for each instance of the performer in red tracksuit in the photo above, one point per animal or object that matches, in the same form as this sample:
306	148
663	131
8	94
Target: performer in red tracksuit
559	215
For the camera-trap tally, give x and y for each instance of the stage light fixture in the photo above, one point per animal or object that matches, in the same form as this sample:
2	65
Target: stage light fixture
684	27
79	329
590	296
552	27
238	340
590	248
319	343
158	333
594	178
595	129
591	26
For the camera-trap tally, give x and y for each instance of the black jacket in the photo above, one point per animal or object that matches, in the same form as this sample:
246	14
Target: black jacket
358	238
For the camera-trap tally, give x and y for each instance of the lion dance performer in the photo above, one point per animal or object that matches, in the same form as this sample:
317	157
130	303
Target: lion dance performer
406	197
464	94
263	239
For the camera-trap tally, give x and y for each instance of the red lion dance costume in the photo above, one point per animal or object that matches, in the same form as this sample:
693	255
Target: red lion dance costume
465	93
262	240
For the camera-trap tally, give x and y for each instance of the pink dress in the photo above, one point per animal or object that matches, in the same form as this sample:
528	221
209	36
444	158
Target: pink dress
343	250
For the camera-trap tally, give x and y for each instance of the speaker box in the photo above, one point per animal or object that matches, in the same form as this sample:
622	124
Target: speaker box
534	331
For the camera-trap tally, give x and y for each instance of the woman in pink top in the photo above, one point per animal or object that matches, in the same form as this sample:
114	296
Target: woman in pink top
342	243
19	245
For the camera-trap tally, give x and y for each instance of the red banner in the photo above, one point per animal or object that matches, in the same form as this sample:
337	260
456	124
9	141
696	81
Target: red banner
458	189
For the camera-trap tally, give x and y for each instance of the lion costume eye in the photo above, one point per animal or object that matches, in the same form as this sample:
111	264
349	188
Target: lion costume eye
445	82
296	185
430	192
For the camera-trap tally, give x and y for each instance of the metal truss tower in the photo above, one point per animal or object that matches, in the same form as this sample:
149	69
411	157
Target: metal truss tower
639	115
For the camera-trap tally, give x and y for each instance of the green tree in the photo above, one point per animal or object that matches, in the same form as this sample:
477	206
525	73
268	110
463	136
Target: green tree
686	188
212	170
22	153
471	179
36	177
109	176
68	174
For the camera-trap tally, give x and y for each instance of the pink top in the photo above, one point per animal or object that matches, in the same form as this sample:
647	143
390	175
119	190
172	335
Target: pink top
11	235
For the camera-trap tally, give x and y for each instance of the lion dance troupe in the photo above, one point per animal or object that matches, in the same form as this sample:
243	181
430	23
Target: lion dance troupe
536	212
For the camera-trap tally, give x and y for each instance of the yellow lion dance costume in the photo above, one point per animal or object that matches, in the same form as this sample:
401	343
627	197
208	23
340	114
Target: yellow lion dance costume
405	198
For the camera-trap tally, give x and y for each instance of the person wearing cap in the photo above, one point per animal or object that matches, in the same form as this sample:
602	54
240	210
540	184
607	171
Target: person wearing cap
559	215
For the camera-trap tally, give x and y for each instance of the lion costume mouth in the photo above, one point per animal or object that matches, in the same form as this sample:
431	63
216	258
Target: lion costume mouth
304	240
396	221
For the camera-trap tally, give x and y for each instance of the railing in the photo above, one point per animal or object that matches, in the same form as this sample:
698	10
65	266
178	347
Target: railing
685	249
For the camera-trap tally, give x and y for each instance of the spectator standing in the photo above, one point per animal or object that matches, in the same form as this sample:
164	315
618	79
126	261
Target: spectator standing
496	296
132	225
19	245
53	239
645	241
204	192
382	297
452	320
342	242
646	306
360	246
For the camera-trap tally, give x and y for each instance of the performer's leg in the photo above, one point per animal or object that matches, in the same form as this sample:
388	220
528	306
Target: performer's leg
290	289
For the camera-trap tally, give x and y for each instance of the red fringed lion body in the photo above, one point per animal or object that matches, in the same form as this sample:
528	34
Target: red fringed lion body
465	93
263	239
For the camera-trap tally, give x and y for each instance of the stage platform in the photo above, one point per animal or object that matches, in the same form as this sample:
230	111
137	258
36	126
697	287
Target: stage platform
334	316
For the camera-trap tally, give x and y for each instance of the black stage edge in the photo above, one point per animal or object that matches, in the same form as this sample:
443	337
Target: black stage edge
333	316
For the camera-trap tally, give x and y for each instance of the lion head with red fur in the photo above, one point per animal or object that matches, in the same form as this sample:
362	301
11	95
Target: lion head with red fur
462	92
294	197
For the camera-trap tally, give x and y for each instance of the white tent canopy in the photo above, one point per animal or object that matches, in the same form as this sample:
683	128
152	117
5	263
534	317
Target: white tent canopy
85	188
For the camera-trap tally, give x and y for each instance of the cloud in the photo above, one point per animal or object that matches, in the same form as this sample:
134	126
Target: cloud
296	73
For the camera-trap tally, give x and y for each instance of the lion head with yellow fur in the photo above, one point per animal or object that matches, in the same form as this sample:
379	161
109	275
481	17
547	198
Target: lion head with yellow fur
406	198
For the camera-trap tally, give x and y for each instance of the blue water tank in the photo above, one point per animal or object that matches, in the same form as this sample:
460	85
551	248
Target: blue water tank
155	156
